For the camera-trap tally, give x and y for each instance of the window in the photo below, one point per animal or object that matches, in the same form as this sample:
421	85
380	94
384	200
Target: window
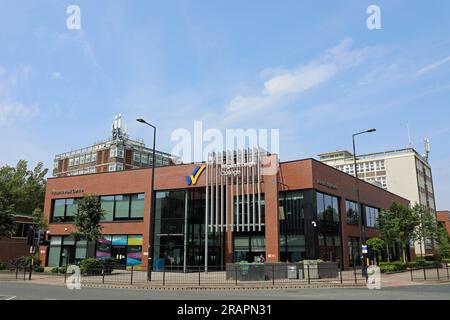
328	227
137	156
112	167
21	230
94	157
77	161
144	158
64	210
55	165
371	216
113	152
82	158
352	212
70	162
88	158
123	207
119	167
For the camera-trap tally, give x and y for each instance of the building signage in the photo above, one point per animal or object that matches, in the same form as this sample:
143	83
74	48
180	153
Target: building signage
193	178
67	191
327	184
232	170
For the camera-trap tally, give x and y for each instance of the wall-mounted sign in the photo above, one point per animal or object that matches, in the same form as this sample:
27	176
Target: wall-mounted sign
67	191
232	170
192	179
327	184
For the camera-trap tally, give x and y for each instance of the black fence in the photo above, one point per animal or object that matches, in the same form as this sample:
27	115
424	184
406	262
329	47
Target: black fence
235	275
439	272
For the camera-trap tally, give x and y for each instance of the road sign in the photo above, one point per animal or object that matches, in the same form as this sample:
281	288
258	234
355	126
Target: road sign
364	248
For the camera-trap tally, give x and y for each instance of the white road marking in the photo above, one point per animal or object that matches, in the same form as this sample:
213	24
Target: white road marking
10	298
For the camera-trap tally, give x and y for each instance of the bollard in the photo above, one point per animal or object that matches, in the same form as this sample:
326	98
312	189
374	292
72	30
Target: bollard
24	273
356	277
199	276
17	272
340	275
103	274
273	274
236	274
309	278
411	274
164	276
424	274
447	271
131	280
437	270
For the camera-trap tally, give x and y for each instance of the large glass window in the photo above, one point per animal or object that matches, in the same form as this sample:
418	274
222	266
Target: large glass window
292	226
371	216
64	210
123	207
328	227
352	212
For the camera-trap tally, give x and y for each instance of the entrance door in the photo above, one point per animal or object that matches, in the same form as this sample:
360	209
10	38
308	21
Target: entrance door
67	255
120	254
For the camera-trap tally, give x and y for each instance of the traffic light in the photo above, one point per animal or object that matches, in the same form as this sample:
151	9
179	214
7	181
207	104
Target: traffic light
30	237
43	238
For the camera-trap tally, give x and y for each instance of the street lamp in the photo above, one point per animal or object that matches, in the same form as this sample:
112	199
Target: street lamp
152	205
362	237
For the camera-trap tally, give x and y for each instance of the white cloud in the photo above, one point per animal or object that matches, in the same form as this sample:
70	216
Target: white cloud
56	75
432	66
11	108
286	84
10	111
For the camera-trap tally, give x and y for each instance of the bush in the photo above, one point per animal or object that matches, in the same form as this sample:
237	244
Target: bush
38	269
93	266
426	263
395	266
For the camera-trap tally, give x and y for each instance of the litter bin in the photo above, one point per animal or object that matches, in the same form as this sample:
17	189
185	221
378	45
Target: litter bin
292	272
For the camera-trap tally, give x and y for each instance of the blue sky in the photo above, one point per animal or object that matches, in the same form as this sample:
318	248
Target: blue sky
311	69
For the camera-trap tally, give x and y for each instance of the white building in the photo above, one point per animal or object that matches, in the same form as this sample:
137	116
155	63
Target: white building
404	172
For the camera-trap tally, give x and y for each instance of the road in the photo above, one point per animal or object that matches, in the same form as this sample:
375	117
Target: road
28	291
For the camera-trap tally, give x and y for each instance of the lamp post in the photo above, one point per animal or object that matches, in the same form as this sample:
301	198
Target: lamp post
362	237
152	205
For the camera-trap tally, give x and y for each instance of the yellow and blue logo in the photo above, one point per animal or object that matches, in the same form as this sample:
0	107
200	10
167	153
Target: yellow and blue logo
192	179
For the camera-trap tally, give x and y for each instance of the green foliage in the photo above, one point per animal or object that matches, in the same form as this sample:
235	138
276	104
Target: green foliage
24	189
2	266
87	219
58	270
395	266
7	225
96	266
398	223
38	269
426	228
375	244
39	219
443	241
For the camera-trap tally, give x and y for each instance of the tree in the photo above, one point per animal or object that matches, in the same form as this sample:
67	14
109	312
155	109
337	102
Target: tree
39	219
23	189
7	225
427	225
376	245
387	227
443	241
398	223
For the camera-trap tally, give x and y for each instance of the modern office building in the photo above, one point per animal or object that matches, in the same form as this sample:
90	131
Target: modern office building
236	206
404	172
443	217
117	153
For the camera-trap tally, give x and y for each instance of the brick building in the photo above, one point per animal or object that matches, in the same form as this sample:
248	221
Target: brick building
16	246
252	204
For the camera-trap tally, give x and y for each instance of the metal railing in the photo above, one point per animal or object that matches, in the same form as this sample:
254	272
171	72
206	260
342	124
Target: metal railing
439	272
195	276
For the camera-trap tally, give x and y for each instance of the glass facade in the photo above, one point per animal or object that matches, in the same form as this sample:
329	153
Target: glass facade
292	226
179	231
328	227
65	250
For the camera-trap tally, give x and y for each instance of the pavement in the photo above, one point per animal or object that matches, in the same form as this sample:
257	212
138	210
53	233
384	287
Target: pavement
13	290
